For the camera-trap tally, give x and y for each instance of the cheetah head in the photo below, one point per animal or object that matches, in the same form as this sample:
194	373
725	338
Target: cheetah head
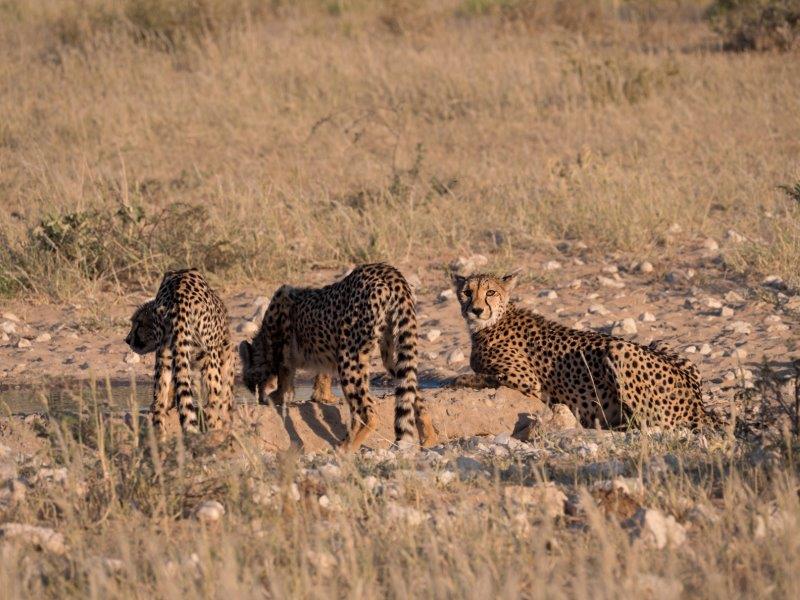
145	334
483	298
258	374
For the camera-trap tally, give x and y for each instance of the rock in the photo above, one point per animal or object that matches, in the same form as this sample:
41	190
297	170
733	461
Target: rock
503	439
131	358
23	343
563	418
42	537
247	327
734	237
209	511
738	327
609	282
330	471
610	269
575	284
656	530
645	267
710	244
468	466
456	357
725	311
705	349
597	309
446	295
432	335
625	326
690	349
647	317
4	337
8	327
9	316
733	298
43	337
549	294
445	478
544	497
773	281
712	303
324	501
675	228
405	514
551	265
432	355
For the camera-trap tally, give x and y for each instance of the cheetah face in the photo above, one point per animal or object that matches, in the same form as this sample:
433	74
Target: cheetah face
257	376
145	334
483	298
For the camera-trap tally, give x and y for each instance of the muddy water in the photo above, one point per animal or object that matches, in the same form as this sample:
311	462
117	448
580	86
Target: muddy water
119	396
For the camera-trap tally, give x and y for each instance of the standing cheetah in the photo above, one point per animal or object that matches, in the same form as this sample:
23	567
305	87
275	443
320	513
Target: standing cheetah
186	324
602	379
336	329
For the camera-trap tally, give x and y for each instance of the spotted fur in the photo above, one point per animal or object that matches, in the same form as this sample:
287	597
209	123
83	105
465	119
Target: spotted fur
603	379
186	326
335	329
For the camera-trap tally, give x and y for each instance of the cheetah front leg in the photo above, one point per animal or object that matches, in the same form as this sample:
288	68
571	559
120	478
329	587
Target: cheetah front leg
322	392
521	378
474	380
284	394
162	388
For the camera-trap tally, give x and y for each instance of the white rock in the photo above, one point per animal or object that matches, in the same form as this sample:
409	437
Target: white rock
324	501
733	298
725	311
209	511
575	284
597	309
44	537
9	316
738	327
710	244
647	317
446	295
456	357
8	327
772	281
734	237
544	497
131	358
432	335
645	267
675	228
552	265
625	326
610	269
712	303
247	327
608	282
23	343
330	471
657	530
444	478
705	349
690	349
43	337
549	294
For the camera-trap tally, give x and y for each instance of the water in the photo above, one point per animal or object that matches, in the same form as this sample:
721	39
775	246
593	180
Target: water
120	396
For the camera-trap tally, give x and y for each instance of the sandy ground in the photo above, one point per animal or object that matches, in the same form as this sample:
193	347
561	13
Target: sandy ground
728	328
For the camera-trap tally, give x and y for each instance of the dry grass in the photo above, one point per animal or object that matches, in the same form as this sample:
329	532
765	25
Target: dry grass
393	526
322	133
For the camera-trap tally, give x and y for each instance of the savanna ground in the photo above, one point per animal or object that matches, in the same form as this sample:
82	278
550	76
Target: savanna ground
637	159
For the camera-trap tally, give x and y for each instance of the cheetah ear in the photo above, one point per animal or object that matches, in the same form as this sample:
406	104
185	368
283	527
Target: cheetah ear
246	353
458	280
510	280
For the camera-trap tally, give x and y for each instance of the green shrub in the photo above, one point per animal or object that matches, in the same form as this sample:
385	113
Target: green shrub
756	24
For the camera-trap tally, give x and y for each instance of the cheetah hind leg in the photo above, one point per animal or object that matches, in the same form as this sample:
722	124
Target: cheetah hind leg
355	385
474	380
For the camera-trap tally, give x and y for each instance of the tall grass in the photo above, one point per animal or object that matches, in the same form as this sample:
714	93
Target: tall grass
333	132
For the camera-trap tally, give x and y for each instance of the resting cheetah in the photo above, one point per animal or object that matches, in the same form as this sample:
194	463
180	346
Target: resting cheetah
186	324
602	379
336	328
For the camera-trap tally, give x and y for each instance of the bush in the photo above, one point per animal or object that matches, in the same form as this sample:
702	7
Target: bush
756	24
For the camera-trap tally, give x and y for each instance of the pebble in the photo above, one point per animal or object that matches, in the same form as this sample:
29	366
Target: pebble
691	349
738	327
738	353
734	237
247	327
44	537
544	497
456	357
705	349
552	265
23	343
549	294
8	327
712	303
772	281
733	298
432	355
209	511
131	358
43	337
725	311
4	337
625	326
446	295
710	244
9	316
432	335
645	267
597	309
675	228
609	282
611	269
575	284
324	501
647	317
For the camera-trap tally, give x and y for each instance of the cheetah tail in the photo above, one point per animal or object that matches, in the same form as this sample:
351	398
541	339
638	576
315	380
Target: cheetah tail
405	368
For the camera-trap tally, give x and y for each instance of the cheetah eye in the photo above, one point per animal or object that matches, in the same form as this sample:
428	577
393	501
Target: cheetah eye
490	293
467	293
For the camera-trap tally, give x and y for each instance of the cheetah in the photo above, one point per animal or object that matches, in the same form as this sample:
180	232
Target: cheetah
334	329
604	380
186	325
